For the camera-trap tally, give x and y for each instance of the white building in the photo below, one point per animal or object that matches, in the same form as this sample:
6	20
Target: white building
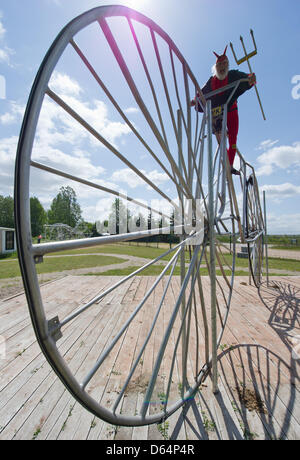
7	240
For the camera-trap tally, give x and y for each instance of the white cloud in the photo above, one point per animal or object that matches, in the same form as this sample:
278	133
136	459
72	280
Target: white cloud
131	110
267	144
281	157
45	186
65	85
8	148
129	177
79	166
164	206
5	51
15	114
56	126
5	54
2	29
281	191
61	142
283	223
7	118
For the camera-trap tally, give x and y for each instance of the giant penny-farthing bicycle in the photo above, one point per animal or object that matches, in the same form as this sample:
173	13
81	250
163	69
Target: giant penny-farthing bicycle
126	63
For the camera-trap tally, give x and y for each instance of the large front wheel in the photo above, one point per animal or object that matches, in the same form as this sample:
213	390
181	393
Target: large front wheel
109	110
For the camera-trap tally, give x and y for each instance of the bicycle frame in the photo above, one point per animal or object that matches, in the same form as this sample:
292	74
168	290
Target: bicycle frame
222	173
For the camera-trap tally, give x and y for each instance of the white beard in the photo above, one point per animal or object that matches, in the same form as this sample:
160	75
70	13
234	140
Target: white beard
221	76
217	74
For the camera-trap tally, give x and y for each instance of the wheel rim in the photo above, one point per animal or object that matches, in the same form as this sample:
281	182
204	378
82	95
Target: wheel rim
254	230
183	323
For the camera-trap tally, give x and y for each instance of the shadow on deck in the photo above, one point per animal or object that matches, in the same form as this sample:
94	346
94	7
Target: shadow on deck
258	364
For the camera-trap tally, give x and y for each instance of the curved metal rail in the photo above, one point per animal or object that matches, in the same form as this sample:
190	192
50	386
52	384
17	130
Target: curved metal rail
250	222
179	320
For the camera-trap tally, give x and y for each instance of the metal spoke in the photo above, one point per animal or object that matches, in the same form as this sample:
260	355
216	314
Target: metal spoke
125	326
166	337
116	105
57	172
163	328
175	259
115	286
101	139
117	53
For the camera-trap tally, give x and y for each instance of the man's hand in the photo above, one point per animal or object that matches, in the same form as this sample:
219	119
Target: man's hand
252	79
193	102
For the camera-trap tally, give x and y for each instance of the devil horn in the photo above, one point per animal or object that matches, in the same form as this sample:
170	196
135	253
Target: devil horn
225	50
217	55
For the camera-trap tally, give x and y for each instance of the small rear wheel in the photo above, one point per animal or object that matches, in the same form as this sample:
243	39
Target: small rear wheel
254	230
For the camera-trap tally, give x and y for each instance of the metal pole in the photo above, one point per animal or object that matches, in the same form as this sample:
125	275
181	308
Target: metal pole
212	250
256	90
245	222
266	237
182	263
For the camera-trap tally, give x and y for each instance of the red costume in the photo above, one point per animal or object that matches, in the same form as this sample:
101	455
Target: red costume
232	119
220	99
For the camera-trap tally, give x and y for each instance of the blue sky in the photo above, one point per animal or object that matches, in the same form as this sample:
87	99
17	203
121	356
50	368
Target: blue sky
198	27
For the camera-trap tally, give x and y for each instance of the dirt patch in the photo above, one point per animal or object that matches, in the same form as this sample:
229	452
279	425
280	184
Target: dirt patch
138	384
14	286
251	400
11	288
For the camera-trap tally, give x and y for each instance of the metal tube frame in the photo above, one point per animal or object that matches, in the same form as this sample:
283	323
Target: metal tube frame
183	173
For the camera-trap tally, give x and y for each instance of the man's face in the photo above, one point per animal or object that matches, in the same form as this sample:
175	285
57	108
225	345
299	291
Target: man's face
222	69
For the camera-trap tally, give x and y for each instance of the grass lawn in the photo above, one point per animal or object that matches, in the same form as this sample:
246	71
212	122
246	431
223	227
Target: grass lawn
152	253
136	251
11	268
287	248
156	270
274	263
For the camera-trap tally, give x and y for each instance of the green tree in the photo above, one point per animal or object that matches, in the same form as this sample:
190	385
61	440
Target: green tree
38	216
7	212
64	208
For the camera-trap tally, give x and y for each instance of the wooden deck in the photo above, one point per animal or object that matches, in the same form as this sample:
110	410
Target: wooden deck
259	364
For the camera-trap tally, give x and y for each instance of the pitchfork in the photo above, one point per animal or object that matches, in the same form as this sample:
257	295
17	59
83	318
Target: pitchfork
247	58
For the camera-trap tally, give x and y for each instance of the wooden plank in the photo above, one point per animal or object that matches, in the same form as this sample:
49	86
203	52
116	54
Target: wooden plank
21	359
38	386
255	371
18	373
98	385
34	403
131	397
220	364
259	323
176	430
89	317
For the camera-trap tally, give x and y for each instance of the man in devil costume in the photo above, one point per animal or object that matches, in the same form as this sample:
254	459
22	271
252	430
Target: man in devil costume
223	76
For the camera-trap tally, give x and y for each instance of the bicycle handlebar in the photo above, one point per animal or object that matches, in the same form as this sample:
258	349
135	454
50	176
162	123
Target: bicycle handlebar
233	85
